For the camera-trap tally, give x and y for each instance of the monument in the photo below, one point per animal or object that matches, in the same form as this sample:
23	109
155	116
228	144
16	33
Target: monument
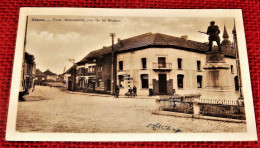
218	77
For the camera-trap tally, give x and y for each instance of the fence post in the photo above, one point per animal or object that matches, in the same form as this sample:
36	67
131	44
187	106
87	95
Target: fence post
196	108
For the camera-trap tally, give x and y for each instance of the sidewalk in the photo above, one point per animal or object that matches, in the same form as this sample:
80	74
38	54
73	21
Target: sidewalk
107	95
88	94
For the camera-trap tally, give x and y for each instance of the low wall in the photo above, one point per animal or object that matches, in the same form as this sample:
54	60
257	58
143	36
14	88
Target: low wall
198	108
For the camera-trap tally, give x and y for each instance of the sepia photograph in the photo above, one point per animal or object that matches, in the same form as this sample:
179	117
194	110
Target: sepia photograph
140	73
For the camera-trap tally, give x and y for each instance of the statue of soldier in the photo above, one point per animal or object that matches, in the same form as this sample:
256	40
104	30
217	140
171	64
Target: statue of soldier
213	32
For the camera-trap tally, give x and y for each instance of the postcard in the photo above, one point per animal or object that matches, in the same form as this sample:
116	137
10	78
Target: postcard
92	74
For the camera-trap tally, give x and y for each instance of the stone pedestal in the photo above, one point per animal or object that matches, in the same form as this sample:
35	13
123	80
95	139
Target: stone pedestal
218	78
196	107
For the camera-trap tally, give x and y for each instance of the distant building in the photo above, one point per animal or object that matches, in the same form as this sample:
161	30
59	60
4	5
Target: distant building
27	74
165	63
50	75
68	78
41	78
60	77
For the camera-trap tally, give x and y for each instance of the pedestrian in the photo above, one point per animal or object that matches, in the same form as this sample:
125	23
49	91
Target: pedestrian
116	91
134	91
130	91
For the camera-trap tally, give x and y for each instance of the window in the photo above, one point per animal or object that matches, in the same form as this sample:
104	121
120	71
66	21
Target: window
179	63
144	63
199	81
180	81
121	65
232	69
198	66
91	69
99	69
81	71
236	83
144	79
161	62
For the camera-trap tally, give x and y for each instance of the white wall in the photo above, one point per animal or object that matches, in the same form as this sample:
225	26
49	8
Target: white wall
52	77
132	65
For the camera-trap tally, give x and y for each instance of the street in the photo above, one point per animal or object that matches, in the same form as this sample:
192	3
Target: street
50	109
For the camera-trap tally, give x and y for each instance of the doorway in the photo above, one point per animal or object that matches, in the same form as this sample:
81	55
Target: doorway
162	84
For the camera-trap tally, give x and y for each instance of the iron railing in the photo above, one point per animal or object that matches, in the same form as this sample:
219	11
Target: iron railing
208	107
162	65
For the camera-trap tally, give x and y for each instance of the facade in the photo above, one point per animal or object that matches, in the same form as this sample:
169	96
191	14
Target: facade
93	73
27	74
40	78
167	72
50	75
163	63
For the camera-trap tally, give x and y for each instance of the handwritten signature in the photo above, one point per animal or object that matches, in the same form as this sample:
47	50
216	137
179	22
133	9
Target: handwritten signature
158	126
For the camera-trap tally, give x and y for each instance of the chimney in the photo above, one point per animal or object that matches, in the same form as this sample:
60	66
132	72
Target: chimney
118	40
185	37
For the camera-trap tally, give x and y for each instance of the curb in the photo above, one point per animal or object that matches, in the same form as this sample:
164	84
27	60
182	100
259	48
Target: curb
87	94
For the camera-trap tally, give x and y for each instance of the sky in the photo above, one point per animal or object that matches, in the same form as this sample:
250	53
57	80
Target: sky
54	41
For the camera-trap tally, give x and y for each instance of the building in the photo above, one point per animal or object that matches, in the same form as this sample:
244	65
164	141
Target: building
27	75
93	72
40	78
161	62
68	78
50	75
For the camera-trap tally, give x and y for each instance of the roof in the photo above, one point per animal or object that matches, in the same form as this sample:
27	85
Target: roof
39	73
225	33
48	72
154	40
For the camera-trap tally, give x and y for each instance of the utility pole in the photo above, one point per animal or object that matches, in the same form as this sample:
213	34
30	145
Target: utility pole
114	59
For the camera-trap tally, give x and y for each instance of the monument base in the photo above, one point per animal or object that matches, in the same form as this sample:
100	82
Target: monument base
218	78
215	94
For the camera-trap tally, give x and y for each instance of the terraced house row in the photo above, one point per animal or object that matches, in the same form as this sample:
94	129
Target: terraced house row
163	63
